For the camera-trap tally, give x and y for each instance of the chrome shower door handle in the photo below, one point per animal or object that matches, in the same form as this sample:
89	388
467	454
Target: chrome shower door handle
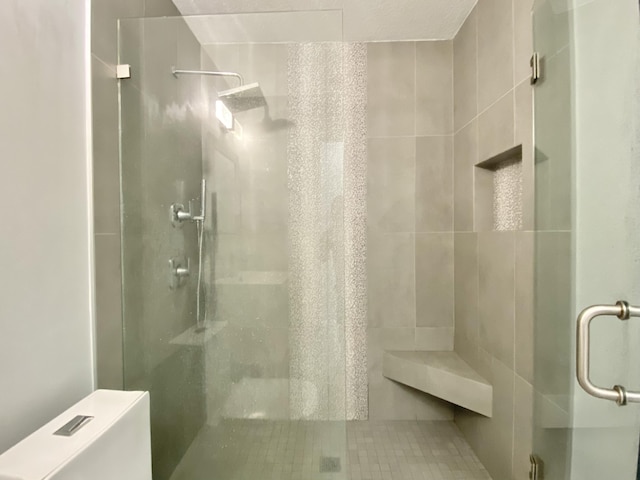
618	393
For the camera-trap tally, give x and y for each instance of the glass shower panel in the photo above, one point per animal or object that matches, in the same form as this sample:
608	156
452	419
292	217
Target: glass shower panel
587	238
161	163
553	326
255	388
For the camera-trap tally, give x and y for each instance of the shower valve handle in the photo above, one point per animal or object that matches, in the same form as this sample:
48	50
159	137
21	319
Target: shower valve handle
179	214
177	271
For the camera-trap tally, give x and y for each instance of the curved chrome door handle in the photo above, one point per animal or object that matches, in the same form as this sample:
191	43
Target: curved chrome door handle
618	393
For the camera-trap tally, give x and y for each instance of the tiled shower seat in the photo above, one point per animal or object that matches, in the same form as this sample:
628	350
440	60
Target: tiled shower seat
441	374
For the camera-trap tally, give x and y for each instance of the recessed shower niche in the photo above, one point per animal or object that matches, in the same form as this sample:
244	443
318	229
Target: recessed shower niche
498	192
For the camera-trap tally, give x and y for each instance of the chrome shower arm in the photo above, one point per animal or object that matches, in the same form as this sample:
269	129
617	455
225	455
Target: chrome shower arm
210	73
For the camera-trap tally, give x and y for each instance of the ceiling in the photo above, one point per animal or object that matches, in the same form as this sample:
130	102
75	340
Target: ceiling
361	20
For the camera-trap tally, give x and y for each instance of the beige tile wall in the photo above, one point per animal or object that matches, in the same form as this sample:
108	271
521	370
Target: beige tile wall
410	216
493	273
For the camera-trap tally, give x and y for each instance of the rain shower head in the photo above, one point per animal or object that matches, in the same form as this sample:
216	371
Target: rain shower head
250	97
240	99
243	98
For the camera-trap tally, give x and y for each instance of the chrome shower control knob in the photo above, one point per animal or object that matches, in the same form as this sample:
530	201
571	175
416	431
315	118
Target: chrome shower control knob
179	214
178	269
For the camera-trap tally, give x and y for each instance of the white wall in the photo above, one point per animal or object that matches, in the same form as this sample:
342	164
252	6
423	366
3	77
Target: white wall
46	358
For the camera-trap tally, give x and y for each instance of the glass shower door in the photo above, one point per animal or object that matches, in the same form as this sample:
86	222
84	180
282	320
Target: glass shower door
587	109
253	387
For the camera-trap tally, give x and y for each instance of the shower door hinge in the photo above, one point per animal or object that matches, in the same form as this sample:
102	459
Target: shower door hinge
536	72
123	71
535	473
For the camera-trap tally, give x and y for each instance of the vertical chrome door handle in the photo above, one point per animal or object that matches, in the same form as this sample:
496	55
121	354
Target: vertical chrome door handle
618	393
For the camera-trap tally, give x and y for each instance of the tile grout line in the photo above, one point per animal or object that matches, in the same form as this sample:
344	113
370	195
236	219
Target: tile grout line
477	117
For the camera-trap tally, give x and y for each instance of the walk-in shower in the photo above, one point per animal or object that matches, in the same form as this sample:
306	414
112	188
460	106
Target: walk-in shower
369	202
251	347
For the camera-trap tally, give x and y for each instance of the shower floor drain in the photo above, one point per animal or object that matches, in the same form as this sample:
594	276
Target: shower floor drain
330	464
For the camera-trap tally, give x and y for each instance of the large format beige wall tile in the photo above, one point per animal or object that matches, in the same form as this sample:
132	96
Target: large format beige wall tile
106	158
495	269
495	448
483	190
109	328
410	189
263	63
496	302
466	295
389	400
474	426
434	339
391	280
495	50
434	279
434	88
389	250
552	301
555	32
386	338
434	184
522	428
391	184
109	354
465	73
496	128
471	424
554	145
523	38
160	8
131	48
524	295
104	25
465	157
159	53
258	352
524	136
391	88
430	408
253	305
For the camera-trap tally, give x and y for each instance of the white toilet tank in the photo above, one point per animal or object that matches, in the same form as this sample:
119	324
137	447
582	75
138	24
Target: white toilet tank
105	436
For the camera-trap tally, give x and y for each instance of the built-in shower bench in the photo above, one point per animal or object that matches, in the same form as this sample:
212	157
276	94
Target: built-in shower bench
441	374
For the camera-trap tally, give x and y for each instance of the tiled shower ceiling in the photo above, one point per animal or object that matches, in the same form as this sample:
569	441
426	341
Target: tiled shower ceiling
364	20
